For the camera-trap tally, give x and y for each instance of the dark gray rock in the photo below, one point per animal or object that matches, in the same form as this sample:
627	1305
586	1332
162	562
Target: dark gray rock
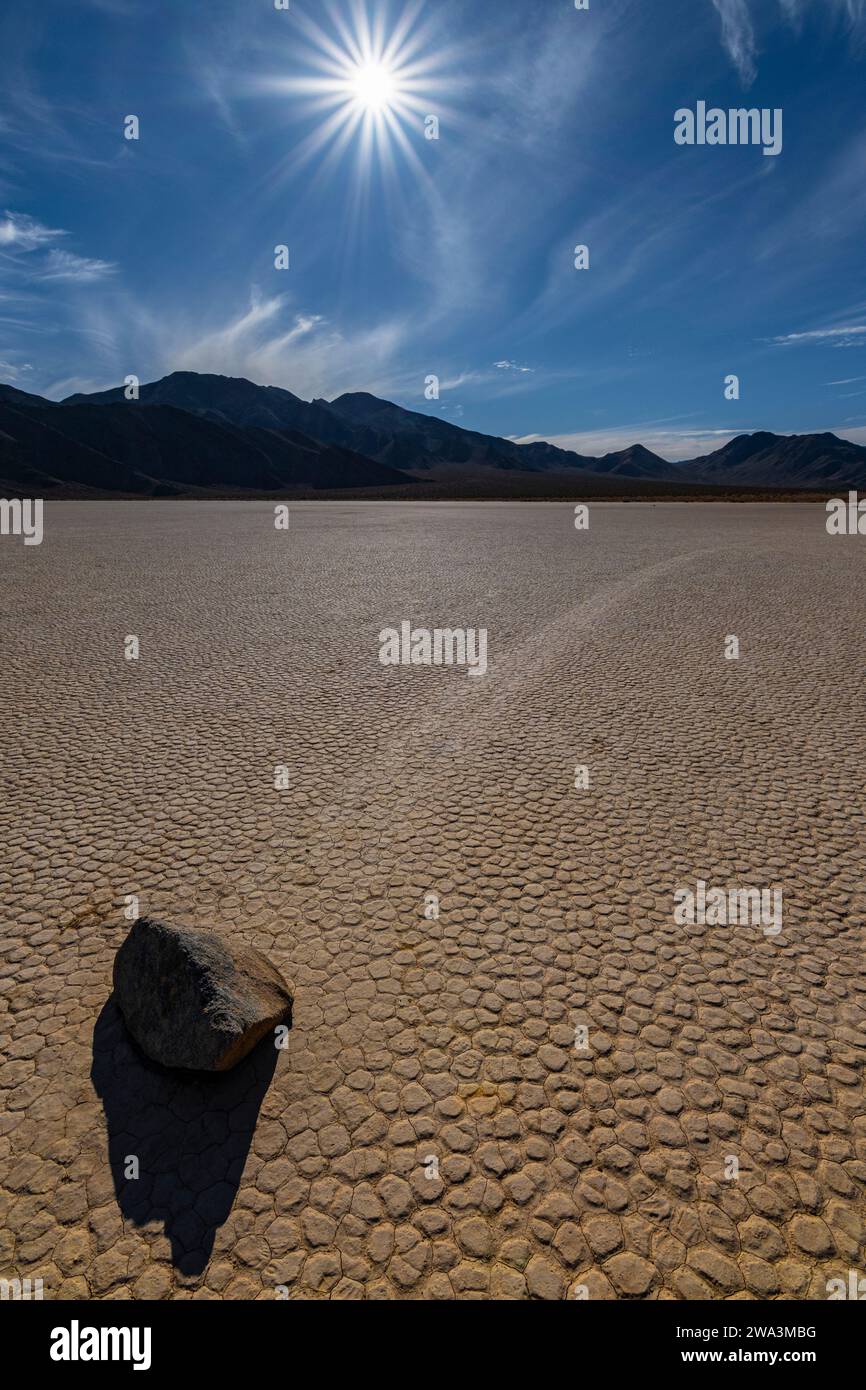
192	999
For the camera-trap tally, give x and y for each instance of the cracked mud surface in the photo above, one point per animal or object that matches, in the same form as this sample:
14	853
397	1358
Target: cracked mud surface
453	1039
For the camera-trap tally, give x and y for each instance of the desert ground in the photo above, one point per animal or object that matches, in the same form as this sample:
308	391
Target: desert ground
432	1130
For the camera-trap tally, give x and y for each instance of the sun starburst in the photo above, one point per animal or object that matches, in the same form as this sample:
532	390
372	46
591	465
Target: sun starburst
368	84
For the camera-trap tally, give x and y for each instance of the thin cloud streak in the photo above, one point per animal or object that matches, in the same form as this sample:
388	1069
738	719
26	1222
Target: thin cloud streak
853	335
63	265
738	37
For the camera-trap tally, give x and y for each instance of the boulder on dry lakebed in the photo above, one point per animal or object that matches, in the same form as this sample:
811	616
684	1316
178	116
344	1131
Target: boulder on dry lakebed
193	999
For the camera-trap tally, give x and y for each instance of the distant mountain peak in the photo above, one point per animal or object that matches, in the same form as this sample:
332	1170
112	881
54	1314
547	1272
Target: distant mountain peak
783	460
636	461
637	451
184	388
361	405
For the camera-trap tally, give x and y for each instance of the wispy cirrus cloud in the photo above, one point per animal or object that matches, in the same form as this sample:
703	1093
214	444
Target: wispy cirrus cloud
525	103
848	335
738	37
273	343
308	355
23	237
852	13
738	29
12	370
64	265
20	232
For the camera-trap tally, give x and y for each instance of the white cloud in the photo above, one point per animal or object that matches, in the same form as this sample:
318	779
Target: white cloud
64	265
507	366
309	357
12	371
24	233
738	37
738	33
852	12
852	335
21	235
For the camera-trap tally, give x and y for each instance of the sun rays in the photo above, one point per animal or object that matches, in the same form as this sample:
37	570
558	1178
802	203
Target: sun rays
367	84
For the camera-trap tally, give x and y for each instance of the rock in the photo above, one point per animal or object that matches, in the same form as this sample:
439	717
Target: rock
192	999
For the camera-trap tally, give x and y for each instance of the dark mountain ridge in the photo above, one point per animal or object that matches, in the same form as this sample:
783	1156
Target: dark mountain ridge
795	460
162	449
199	432
387	433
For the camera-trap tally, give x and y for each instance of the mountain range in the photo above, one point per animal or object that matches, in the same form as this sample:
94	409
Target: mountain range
194	434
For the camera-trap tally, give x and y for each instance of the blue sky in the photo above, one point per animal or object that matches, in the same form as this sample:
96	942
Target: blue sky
412	257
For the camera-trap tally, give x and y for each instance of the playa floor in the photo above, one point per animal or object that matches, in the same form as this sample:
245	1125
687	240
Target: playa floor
435	1127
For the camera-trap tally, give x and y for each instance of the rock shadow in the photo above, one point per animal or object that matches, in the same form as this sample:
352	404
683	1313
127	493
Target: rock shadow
190	1133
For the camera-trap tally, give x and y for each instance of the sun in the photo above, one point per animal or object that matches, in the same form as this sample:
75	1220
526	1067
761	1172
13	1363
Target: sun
370	87
373	86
